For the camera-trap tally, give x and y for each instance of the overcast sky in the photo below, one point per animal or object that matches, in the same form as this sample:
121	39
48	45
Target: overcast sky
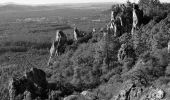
32	2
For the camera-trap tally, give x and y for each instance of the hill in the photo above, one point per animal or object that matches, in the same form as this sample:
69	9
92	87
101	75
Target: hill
92	64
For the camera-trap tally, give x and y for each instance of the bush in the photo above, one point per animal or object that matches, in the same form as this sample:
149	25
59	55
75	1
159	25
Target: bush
161	81
18	49
128	64
150	7
162	56
13	49
168	70
152	36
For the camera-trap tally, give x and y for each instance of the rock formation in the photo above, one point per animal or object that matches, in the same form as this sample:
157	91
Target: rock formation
32	85
133	92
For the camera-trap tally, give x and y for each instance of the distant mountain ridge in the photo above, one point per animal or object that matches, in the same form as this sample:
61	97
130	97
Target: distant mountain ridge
17	7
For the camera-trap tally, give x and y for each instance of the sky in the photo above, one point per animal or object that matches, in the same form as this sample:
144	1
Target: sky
35	2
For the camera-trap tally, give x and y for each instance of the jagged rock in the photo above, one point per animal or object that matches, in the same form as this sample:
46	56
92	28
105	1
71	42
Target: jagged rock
154	94
54	95
89	95
33	82
133	92
125	51
160	94
37	76
16	87
76	97
129	92
27	95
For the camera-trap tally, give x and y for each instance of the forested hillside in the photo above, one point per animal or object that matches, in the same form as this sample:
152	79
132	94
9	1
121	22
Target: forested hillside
95	64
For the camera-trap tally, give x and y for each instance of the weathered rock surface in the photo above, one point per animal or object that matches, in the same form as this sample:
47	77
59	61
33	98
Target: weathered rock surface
38	78
126	51
33	84
133	92
89	95
54	95
85	95
77	97
154	94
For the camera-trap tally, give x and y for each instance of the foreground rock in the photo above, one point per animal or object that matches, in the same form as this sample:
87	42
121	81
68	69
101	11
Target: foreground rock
76	97
85	95
32	85
89	95
154	94
133	92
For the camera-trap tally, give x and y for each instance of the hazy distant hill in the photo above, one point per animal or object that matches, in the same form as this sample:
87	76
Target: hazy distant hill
11	12
15	7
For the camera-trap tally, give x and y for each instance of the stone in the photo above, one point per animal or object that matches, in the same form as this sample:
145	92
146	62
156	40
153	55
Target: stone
27	95
160	94
129	92
76	97
37	76
54	95
89	95
33	83
16	87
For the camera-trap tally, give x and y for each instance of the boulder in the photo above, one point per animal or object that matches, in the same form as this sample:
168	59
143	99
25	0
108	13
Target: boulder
37	82
76	97
54	95
154	94
16	86
27	95
133	92
37	76
125	51
89	95
129	92
160	94
33	83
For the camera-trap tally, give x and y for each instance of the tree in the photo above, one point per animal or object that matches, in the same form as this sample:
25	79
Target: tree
150	7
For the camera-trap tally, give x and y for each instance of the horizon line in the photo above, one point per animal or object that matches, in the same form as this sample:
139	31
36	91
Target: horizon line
8	3
49	4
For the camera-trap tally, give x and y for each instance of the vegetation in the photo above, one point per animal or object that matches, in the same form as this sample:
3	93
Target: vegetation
92	64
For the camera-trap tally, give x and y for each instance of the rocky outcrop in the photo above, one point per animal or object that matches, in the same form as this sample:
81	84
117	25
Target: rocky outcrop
32	85
16	87
126	51
154	94
54	95
27	95
129	91
132	92
77	97
89	95
85	95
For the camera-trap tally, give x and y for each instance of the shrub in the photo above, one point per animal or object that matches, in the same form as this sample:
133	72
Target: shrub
128	64
161	81
13	49
150	7
167	72
18	49
151	36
